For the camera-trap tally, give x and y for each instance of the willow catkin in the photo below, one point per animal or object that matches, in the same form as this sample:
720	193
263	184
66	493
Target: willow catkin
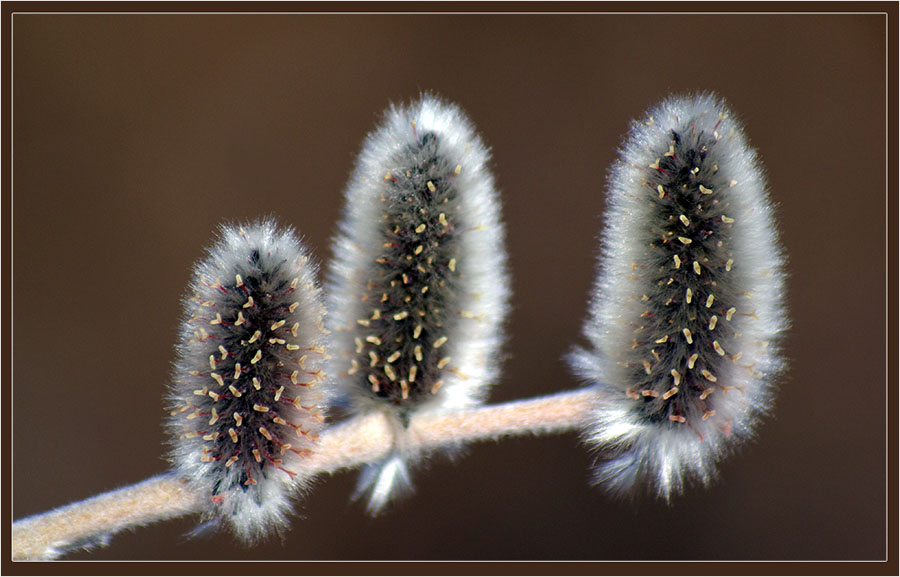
417	287
247	398
687	309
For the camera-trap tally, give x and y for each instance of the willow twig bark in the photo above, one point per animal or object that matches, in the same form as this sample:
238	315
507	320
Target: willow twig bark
345	445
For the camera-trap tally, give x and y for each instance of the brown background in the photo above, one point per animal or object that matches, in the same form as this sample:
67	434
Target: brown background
134	135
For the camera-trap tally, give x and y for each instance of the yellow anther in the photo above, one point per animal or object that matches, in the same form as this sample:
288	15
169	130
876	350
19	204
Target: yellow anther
677	261
233	459
256	357
277	325
223	352
238	419
696	267
389	372
442	218
255	337
420	228
373	358
457	170
709	301
413	370
234	437
417	331
430	186
443	362
677	418
294	377
218	378
240	320
660	190
374	340
214	417
712	322
704	190
727	220
394	356
687	336
670	393
719	348
249	303
212	362
708	376
265	433
260	408
419	250
436	386
404	389
708	414
662	340
439	342
452	264
239	282
234	391
401	315
647	366
729	264
730	313
256	384
293	307
684	220
218	320
693	359
688	295
685	240
418	352
374	380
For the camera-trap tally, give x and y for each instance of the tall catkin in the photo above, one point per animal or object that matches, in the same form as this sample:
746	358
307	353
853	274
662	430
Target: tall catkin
247	395
687	310
417	287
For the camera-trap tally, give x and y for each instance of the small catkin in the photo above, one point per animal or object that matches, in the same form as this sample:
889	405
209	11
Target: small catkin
247	396
687	311
418	286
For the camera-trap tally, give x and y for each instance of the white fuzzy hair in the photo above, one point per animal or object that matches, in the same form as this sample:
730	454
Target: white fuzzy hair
432	139
688	217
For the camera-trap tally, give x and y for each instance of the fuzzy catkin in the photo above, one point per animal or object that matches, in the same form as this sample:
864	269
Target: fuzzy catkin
418	287
687	310
247	394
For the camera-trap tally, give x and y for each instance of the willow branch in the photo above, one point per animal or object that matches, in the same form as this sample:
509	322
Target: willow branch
343	446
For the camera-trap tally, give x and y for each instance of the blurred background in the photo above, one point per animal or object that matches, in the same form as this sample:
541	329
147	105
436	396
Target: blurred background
135	135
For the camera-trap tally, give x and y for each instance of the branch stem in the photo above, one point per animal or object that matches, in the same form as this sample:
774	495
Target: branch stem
346	445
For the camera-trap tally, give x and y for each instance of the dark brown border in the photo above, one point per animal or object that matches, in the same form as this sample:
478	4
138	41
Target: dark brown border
890	567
